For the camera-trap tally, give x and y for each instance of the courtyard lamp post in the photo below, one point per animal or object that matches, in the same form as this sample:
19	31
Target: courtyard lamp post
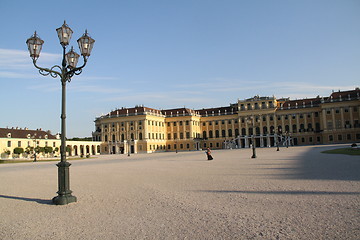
34	144
65	72
277	139
251	121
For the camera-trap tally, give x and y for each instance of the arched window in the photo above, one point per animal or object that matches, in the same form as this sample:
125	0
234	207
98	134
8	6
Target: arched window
287	128
230	132
217	135
140	136
113	138
294	128
223	133
132	137
265	131
204	134
106	138
122	137
210	134
236	132
272	129
243	131
257	130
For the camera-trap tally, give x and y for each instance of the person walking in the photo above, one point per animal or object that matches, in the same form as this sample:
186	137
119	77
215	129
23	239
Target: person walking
208	153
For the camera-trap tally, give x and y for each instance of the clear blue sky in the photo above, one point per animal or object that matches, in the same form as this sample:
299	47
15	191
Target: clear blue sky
169	54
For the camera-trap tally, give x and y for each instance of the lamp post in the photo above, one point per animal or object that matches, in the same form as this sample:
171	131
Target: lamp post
34	140
250	121
277	139
65	72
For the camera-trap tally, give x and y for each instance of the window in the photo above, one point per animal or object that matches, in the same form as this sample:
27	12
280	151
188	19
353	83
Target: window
187	134
216	122
9	143
169	136
19	143
187	122
340	137
175	135
187	146
181	123
174	124
217	135
230	132
348	136
222	121
331	138
210	134
181	135
223	133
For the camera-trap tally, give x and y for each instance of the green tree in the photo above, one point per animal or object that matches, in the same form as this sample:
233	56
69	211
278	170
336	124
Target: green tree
18	150
48	149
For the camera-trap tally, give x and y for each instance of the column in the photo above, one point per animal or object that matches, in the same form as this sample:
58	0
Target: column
333	118
324	119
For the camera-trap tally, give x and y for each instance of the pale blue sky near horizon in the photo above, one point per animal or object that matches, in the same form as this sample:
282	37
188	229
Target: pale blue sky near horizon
169	54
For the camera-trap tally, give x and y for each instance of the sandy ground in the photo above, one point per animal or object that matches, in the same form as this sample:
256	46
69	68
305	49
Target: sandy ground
296	193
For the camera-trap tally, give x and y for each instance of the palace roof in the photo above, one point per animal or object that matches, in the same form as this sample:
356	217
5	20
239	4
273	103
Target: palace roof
25	133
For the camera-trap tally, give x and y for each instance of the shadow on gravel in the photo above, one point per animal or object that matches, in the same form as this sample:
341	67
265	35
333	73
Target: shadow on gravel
40	201
283	192
314	165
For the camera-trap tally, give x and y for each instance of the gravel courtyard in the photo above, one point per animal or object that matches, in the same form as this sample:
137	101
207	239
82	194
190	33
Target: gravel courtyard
296	193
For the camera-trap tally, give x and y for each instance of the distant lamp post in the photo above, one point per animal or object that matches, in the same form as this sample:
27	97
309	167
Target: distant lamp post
251	122
34	140
277	139
67	70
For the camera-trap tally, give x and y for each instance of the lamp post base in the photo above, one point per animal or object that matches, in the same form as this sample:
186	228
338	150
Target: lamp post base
64	194
64	199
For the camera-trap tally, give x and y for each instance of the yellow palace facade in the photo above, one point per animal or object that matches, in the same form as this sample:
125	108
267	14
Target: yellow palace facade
263	121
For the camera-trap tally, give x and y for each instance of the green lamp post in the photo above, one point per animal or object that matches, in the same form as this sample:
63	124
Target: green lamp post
65	72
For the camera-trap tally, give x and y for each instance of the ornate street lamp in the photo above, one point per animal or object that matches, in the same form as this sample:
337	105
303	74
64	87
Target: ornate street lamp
65	72
251	121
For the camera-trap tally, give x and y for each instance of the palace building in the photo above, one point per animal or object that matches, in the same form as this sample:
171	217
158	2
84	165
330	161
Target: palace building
263	121
27	141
